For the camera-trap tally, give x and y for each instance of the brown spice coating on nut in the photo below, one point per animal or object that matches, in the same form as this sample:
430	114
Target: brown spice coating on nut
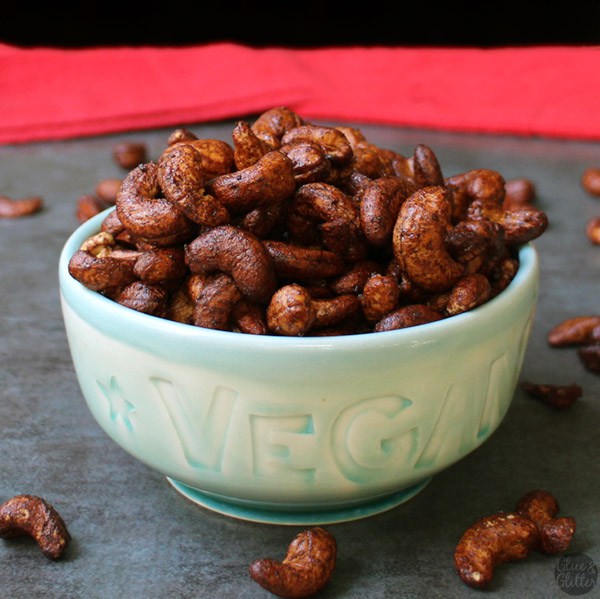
468	293
560	397
555	534
215	303
371	161
290	311
161	264
380	203
519	192
426	168
480	189
301	263
250	318
89	205
309	161
248	149
272	124
407	316
419	240
307	567
182	177
353	280
108	189
380	296
333	142
577	330
590	357
147	215
10	208
491	541
181	134
129	154
35	517
268	181
335	310
236	252
143	297
102	273
590	181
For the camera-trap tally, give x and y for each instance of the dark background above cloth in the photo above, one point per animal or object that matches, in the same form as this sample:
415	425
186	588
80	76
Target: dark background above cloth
307	24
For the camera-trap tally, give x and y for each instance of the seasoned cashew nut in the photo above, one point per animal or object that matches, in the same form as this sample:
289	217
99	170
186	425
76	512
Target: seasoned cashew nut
268	181
333	142
182	175
370	160
290	311
555	534
427	170
144	297
147	215
35	517
181	134
318	203
335	310
307	567
419	239
235	252
380	202
11	208
491	541
309	161
481	187
379	296
559	397
159	265
250	318
101	266
301	263
353	280
215	302
468	293
577	330
248	149
407	316
272	124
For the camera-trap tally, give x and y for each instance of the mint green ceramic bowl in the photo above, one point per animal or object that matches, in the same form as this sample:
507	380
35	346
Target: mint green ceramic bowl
297	430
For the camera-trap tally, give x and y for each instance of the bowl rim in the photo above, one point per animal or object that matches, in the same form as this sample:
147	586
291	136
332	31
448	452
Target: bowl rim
111	317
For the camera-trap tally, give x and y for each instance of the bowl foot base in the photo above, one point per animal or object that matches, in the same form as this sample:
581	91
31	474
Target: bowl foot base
298	517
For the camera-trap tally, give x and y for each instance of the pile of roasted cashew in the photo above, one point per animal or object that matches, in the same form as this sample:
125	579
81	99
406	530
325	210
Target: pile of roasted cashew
300	229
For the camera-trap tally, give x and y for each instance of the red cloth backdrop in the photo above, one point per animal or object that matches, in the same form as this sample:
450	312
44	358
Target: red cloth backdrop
50	93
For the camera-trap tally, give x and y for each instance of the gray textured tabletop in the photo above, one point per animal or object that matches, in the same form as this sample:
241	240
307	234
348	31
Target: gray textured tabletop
135	537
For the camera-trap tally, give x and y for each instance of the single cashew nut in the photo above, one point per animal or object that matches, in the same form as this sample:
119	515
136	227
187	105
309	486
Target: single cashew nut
268	181
102	267
215	303
419	239
577	330
491	541
380	202
161	264
182	177
290	311
235	252
333	142
272	124
307	567
248	148
555	534
332	311
468	293
147	215
10	208
35	517
295	262
427	170
309	161
407	316
144	297
379	297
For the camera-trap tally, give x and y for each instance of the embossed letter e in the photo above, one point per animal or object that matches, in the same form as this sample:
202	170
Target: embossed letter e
201	427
